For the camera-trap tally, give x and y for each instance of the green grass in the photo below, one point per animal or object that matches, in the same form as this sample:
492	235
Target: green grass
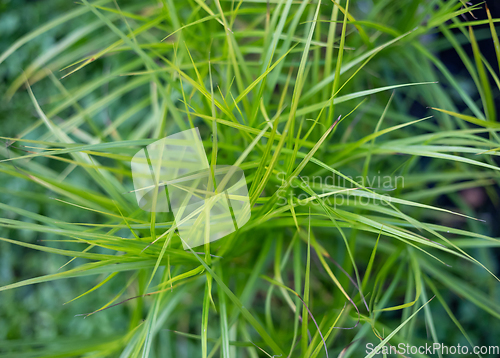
294	93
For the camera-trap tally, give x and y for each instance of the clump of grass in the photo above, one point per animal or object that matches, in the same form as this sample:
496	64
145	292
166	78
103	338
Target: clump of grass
324	106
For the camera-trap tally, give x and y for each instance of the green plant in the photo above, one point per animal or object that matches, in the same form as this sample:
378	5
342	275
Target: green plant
296	94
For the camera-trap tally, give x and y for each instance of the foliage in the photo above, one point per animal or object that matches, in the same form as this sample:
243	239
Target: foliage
324	105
